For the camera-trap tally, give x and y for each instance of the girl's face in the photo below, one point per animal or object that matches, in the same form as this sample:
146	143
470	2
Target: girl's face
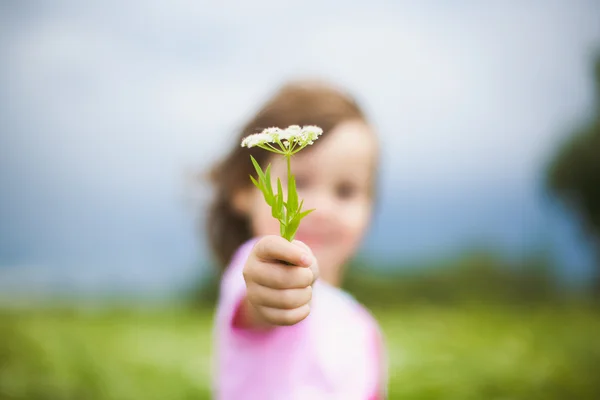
335	178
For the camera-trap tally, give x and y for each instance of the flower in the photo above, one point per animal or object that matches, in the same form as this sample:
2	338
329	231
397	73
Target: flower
285	142
311	133
294	131
256	140
293	138
274	133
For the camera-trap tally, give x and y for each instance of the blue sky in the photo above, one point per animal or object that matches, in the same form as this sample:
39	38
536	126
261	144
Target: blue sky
106	108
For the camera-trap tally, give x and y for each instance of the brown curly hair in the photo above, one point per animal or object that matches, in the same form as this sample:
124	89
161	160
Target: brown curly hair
295	103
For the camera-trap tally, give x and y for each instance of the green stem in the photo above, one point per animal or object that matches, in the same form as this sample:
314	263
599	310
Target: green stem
297	150
293	146
289	177
284	150
289	172
288	168
270	148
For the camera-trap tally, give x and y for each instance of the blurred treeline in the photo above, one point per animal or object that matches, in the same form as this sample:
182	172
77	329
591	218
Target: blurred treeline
573	175
477	277
474	278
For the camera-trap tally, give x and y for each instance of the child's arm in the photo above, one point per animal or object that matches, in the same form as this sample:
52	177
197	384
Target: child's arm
247	317
276	293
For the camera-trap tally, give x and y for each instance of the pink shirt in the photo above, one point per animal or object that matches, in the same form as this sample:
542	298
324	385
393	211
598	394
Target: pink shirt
335	353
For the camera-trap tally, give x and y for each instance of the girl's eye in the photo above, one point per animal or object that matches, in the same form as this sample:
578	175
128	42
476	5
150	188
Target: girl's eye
345	191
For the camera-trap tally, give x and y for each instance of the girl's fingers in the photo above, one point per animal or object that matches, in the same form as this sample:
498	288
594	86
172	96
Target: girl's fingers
275	248
276	316
314	267
286	299
279	276
302	245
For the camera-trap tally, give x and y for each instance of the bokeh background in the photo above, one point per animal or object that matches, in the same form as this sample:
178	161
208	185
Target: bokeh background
481	261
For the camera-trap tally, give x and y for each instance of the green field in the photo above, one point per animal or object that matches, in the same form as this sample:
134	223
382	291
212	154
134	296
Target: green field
493	352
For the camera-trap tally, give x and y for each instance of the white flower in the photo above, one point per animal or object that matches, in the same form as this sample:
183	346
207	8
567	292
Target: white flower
256	139
311	133
286	136
294	131
293	134
274	133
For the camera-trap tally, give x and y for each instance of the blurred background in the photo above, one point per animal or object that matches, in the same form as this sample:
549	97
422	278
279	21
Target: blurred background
482	264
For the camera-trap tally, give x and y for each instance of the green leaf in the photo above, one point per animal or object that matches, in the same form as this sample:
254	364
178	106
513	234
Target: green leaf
295	224
264	192
264	181
292	198
292	228
274	210
280	197
305	213
260	187
269	198
268	183
282	230
255	183
259	171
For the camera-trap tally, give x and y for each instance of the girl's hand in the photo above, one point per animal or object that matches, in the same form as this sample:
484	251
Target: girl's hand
279	277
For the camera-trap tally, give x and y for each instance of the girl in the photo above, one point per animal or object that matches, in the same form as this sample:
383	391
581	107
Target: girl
281	333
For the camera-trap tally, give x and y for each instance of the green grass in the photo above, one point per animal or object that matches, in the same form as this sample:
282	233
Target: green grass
493	352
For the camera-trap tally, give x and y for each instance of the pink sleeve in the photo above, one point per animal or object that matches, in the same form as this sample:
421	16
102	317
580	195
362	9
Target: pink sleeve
233	287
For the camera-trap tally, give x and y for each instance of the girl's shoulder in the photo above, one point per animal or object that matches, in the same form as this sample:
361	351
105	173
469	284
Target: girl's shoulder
344	306
350	341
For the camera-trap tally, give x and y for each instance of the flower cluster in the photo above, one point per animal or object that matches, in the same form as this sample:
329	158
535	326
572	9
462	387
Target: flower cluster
290	140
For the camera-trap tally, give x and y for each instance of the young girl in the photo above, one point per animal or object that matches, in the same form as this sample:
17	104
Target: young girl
284	330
